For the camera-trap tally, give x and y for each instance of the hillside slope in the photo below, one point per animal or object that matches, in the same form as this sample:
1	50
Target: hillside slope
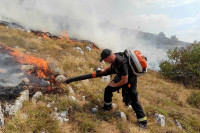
157	95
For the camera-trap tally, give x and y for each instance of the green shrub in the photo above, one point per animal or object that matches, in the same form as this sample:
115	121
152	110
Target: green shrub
183	65
194	99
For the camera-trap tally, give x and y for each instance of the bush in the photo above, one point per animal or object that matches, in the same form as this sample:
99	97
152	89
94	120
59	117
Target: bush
194	99
183	65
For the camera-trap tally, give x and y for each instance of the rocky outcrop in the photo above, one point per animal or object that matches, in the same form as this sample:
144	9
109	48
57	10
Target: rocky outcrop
160	119
178	124
79	50
12	109
36	96
123	116
60	78
1	117
87	48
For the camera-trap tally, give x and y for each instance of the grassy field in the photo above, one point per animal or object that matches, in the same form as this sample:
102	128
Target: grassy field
156	94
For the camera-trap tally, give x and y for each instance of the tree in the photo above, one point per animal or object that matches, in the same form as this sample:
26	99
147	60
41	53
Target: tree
183	65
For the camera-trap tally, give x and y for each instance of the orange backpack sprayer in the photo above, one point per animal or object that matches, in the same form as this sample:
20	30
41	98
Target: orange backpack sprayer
137	61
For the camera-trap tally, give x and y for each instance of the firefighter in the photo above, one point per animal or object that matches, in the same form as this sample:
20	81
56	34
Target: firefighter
124	79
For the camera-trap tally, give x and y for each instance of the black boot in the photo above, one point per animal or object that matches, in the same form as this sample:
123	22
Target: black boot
142	125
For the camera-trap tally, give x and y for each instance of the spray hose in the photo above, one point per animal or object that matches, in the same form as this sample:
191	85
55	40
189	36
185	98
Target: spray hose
86	76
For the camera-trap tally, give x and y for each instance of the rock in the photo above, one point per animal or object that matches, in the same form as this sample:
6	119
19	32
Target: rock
123	116
57	71
48	105
7	107
1	117
25	81
105	78
12	109
71	90
80	50
60	78
160	119
65	120
94	110
80	69
87	48
47	83
89	45
61	116
28	31
129	107
55	109
24	96
72	98
98	100
83	98
114	106
178	124
36	96
60	119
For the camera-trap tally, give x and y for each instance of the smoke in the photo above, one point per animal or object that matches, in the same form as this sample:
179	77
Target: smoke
99	21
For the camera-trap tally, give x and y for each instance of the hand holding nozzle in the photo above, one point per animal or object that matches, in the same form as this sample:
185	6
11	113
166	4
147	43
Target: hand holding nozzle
100	70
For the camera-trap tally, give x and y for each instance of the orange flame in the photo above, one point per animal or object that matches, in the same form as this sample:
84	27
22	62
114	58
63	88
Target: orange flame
41	65
45	36
27	59
65	36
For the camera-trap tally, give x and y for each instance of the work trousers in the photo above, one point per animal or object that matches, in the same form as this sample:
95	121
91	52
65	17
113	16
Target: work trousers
133	95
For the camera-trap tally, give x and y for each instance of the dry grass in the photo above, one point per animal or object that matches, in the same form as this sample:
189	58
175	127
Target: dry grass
155	93
32	118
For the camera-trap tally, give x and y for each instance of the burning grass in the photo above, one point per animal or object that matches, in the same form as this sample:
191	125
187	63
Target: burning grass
155	93
41	64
